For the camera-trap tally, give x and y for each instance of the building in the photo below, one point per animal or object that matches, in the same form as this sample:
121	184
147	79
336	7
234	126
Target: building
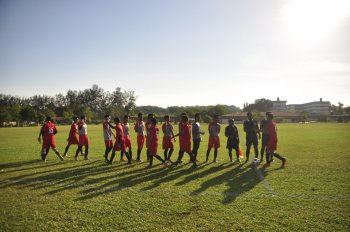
279	106
317	107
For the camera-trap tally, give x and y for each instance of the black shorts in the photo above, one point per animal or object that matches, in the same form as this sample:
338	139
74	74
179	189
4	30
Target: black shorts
232	144
252	140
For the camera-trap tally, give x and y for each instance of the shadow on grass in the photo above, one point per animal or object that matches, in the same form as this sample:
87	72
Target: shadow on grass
94	178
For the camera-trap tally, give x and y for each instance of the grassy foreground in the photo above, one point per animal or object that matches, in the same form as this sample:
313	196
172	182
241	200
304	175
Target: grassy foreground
311	194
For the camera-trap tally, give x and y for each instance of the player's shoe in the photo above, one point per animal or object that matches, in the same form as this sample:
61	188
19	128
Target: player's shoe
284	162
86	158
122	160
139	160
215	161
149	167
75	158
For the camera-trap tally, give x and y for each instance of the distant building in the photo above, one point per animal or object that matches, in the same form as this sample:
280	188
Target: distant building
317	107
279	106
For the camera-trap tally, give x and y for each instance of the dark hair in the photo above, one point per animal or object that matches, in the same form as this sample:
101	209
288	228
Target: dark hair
197	115
117	120
74	117
48	118
249	113
107	115
139	115
216	116
166	116
231	120
126	116
150	116
270	115
153	121
82	117
184	118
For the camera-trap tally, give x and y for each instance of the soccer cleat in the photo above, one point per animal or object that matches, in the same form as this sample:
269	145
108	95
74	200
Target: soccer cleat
139	160
284	163
149	167
61	158
86	158
215	161
75	158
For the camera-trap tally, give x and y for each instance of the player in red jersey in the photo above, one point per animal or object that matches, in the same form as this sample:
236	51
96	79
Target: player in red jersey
214	139
48	131
83	138
140	129
168	144
119	144
153	142
271	147
73	137
107	135
126	130
148	126
185	140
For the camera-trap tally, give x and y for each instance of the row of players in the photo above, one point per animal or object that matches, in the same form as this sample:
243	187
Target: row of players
148	132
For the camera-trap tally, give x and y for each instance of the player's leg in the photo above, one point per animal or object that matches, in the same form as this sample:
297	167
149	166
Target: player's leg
256	150
80	149
230	153
159	158
66	150
215	154
166	153
237	153
121	156
284	160
86	152
57	153
179	158
247	153
170	153
207	156
127	155
130	152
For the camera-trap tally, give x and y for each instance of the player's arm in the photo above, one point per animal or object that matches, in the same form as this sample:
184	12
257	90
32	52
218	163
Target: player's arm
163	128
172	133
40	134
111	125
226	132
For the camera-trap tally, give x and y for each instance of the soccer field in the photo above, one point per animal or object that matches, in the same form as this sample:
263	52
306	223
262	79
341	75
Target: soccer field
311	194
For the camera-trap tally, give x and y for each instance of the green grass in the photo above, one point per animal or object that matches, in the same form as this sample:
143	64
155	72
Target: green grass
311	194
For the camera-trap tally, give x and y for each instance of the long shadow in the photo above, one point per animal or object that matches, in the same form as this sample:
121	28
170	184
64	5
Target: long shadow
118	184
199	175
3	167
240	180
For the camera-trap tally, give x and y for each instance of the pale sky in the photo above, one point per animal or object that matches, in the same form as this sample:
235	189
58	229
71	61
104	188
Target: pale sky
181	52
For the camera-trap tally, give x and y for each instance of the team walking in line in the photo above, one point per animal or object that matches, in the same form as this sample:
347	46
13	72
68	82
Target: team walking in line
190	137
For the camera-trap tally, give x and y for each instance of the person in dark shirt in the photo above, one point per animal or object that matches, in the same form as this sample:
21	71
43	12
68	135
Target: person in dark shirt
231	132
251	129
265	136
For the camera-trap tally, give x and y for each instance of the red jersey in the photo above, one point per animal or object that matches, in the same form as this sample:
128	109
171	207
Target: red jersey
272	131
73	134
185	131
153	135
119	144
49	130
153	138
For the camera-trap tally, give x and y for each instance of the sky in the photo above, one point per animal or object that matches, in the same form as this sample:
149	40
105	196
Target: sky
182	52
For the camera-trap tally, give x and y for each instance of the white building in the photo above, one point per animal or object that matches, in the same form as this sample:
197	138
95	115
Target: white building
279	106
317	107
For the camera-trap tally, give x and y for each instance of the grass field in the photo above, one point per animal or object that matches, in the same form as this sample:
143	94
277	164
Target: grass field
311	194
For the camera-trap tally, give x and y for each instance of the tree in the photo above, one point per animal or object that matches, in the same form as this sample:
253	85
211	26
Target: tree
261	105
28	114
4	115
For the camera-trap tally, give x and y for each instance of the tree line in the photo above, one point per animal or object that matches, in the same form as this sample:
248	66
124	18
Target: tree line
93	102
